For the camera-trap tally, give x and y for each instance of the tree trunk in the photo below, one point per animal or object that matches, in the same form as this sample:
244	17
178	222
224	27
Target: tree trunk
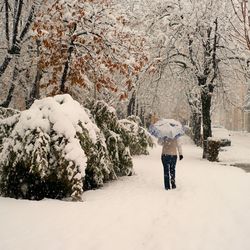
16	43
66	70
194	101
142	116
35	91
206	118
6	103
131	105
5	64
196	128
67	62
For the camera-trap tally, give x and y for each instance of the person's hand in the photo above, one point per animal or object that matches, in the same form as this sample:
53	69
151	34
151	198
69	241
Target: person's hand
181	157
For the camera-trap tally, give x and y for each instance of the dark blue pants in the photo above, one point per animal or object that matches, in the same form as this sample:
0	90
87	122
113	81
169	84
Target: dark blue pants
169	163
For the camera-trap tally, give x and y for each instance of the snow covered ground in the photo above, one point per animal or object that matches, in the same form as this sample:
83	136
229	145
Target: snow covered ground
239	152
209	210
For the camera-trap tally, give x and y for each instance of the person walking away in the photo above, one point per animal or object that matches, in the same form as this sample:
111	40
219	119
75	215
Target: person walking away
169	159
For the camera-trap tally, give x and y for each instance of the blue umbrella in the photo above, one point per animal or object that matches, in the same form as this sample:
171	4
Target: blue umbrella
166	129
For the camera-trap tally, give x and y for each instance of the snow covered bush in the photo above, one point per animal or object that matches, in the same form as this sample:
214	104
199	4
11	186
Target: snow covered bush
55	149
8	119
213	145
99	167
43	156
139	138
117	139
7	112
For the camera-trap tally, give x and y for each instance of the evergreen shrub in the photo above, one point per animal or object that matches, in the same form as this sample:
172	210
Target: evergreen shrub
8	119
42	155
57	149
139	140
213	149
117	140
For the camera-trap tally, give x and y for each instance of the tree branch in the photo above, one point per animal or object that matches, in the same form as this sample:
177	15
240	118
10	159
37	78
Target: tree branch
7	31
18	11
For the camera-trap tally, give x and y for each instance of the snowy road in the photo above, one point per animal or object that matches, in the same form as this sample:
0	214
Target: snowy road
209	210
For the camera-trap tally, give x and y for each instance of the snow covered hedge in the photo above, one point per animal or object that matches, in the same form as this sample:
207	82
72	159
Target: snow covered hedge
117	139
7	112
8	119
42	156
58	149
139	139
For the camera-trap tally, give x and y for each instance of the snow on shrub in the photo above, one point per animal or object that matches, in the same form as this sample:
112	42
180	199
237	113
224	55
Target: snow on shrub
43	155
8	119
213	147
99	167
139	139
7	112
58	149
117	139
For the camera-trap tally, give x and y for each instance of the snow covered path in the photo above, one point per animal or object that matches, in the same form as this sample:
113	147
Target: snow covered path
209	210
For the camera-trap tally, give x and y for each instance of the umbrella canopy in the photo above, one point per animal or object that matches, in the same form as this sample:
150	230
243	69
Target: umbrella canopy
167	128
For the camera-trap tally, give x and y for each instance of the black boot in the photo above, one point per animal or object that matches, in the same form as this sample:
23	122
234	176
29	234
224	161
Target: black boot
167	186
173	184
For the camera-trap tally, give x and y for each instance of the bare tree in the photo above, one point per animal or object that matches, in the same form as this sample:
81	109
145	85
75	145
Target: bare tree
18	17
200	44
